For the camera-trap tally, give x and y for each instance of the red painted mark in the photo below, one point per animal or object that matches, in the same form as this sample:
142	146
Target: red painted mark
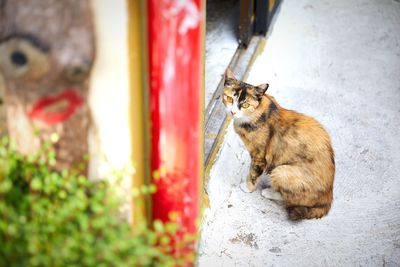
39	109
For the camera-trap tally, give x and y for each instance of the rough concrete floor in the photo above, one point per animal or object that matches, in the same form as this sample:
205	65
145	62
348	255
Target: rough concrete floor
338	61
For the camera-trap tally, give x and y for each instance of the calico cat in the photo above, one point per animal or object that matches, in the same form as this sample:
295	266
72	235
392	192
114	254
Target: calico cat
294	149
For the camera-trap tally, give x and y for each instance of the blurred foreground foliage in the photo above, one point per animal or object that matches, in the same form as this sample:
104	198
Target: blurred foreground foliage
50	218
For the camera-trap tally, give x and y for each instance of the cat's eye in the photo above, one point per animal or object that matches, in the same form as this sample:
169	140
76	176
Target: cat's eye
228	83
245	105
229	99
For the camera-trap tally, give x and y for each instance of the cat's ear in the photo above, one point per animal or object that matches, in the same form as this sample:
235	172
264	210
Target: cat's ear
261	89
229	74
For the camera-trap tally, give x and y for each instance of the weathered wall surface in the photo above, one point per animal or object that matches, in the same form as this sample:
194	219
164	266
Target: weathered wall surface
79	47
46	54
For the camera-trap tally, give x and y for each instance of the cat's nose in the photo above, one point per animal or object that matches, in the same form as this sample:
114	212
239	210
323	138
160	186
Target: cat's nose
233	113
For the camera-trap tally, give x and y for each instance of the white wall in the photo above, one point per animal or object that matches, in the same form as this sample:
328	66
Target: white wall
110	138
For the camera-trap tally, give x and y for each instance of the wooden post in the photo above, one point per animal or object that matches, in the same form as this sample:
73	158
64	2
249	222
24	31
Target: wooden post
245	22
176	65
261	21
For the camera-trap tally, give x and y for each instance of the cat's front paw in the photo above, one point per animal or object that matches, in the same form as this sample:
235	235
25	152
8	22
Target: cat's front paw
248	186
243	186
251	186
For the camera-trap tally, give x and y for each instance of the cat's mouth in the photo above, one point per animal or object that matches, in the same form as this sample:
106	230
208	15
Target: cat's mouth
56	109
233	114
239	117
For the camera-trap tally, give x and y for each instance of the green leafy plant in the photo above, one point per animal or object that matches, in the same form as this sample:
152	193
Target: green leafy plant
50	218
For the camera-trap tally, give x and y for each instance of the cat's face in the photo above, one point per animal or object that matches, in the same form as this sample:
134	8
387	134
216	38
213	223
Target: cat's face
241	99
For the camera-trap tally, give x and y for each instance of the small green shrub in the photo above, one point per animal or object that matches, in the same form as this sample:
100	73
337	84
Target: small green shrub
50	218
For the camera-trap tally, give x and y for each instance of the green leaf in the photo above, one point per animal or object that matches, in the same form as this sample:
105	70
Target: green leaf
62	194
5	186
171	228
158	226
36	184
165	240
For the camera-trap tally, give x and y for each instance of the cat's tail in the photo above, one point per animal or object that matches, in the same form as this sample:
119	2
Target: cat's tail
303	212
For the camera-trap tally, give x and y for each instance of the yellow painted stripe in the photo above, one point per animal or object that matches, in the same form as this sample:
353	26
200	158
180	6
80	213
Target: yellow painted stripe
203	197
140	206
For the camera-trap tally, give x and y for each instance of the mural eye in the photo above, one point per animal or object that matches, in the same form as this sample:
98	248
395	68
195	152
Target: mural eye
245	105
19	58
229	99
77	72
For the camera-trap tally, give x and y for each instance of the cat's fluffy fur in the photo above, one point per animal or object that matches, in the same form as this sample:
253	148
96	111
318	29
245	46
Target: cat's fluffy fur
294	149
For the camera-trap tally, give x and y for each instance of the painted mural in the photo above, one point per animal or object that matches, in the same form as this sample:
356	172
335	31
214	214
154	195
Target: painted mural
46	54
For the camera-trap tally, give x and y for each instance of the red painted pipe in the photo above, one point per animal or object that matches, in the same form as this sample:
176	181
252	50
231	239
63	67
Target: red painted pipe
175	65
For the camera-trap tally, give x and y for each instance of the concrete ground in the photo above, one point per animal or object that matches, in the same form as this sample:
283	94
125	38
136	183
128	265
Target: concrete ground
338	61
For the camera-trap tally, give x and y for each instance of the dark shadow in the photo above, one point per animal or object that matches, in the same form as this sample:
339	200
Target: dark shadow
222	11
